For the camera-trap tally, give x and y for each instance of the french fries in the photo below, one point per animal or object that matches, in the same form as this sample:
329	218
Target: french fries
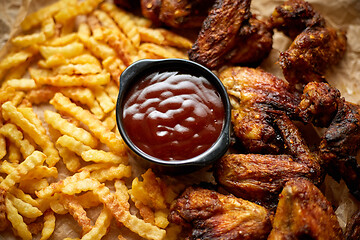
58	139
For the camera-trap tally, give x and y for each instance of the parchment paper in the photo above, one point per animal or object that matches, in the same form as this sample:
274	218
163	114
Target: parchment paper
345	76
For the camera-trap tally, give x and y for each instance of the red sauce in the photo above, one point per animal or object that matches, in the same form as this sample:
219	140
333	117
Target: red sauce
173	116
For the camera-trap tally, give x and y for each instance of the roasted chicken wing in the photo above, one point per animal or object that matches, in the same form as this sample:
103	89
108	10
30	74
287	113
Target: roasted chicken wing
253	44
253	94
294	16
340	145
319	104
322	105
211	215
311	53
178	14
219	32
304	213
260	178
151	10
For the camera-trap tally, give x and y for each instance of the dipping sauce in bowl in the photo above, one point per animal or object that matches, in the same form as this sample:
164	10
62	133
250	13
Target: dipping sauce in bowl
173	115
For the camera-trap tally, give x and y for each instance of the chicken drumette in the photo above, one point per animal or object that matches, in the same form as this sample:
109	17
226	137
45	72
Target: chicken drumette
211	215
178	14
260	178
262	105
322	105
316	46
253	94
304	213
311	53
231	34
294	16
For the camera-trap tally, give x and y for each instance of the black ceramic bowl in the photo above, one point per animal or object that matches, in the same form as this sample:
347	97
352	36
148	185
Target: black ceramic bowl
143	68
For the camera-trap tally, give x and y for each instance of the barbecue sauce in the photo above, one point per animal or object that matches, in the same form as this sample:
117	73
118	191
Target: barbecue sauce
173	116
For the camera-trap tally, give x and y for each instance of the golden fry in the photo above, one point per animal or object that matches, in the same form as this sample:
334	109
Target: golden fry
17	220
35	159
24	208
28	40
107	137
2	146
57	186
38	136
71	11
39	16
124	21
49	225
77	211
101	226
103	99
70	159
22	84
68	128
75	80
48	27
62	41
99	156
111	173
145	230
68	51
115	66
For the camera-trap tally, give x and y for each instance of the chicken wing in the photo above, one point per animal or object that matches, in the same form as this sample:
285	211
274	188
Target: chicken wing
304	213
340	145
211	215
311	53
177	14
184	14
253	93
319	104
322	105
151	10
294	16
219	32
260	178
253	44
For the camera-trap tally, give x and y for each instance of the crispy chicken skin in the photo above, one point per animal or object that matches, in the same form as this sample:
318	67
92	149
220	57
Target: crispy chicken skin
253	44
319	104
212	215
219	32
310	54
253	93
151	10
322	105
260	178
340	144
184	14
177	14
352	231
294	16
304	213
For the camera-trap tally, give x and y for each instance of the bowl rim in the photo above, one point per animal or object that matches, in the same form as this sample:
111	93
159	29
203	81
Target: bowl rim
136	71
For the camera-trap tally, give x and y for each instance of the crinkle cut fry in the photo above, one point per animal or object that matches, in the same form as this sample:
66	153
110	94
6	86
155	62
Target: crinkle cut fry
77	211
17	221
35	159
11	132
145	230
62	103
57	186
101	226
10	111
3	220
